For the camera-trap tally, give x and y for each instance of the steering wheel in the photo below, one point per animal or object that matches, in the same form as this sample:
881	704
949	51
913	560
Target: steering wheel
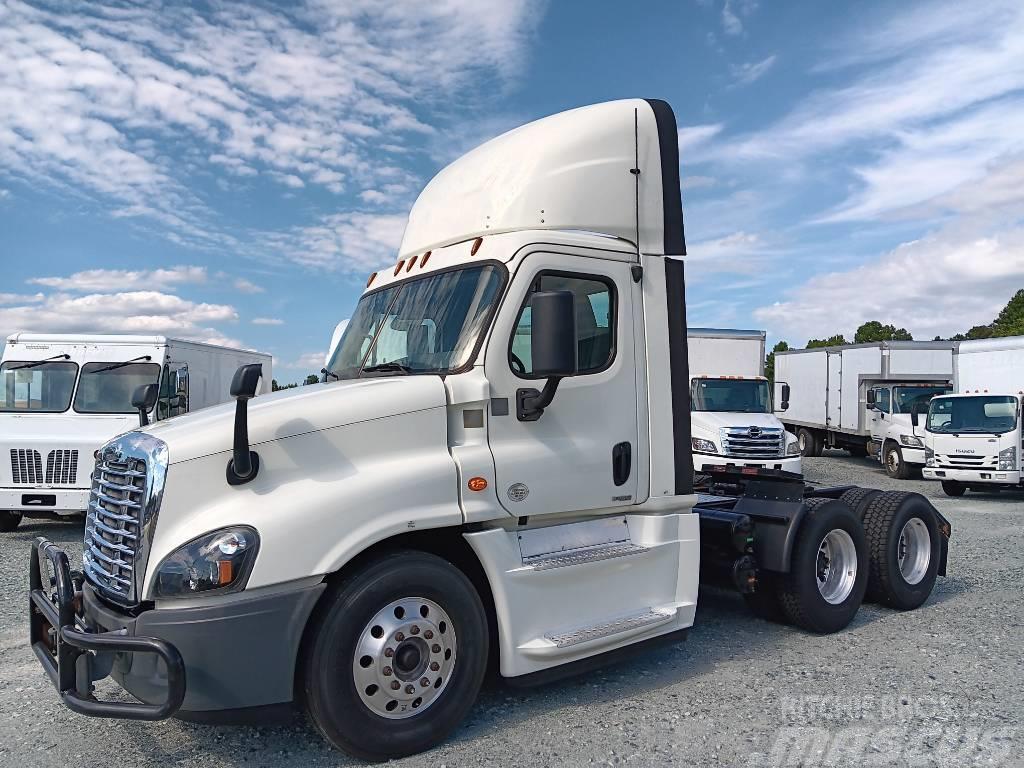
517	364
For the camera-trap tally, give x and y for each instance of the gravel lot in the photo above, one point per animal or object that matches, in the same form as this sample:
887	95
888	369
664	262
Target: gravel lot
939	686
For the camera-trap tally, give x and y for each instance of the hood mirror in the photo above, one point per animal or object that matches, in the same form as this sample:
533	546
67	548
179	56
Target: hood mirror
143	400
244	464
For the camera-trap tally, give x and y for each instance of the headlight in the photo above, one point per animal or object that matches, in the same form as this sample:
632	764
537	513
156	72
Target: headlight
1008	459
910	440
793	449
929	457
219	561
701	445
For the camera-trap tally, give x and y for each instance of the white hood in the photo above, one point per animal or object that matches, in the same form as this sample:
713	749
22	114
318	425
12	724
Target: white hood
712	421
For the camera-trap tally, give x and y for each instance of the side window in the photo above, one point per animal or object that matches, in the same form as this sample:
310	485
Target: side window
173	398
595	322
882	399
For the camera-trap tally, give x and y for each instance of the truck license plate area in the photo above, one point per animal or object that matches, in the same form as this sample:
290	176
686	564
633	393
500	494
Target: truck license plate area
38	500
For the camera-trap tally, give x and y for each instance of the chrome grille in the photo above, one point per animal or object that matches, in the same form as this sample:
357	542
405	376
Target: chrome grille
62	467
962	461
127	487
26	466
753	442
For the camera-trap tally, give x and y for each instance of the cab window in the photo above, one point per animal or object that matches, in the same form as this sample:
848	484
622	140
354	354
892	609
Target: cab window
882	400
595	322
173	398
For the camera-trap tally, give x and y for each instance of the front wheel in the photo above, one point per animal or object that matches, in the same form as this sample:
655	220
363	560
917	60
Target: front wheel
895	466
397	657
808	442
953	488
827	574
9	520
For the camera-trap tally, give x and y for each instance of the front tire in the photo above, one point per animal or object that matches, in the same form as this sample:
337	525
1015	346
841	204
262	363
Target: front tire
9	520
827	575
808	441
397	656
903	549
953	488
895	466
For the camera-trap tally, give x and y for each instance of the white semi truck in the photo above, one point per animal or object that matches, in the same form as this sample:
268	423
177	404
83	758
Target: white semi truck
859	397
498	467
973	439
62	396
733	420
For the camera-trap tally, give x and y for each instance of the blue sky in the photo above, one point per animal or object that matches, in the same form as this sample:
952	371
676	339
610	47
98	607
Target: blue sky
233	171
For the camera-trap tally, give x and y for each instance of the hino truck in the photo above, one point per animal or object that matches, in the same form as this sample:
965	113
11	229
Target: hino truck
973	438
732	420
62	396
497	467
860	396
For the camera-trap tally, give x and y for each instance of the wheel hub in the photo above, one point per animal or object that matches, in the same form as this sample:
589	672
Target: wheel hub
404	657
836	566
914	552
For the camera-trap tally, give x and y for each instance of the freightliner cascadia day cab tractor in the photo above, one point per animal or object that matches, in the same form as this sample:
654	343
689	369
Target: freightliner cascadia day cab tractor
62	396
497	467
732	420
860	396
973	439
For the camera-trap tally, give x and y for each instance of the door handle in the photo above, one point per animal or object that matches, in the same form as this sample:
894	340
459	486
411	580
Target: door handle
622	460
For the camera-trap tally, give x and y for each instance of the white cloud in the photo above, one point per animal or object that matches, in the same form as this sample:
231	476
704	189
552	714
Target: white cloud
123	279
311	361
733	13
346	242
19	298
693	136
697	182
247	286
940	285
267	321
745	74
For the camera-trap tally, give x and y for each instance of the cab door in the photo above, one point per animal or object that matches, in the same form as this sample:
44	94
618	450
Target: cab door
581	453
881	416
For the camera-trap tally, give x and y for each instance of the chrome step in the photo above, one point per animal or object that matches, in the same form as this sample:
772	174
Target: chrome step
583	555
649	617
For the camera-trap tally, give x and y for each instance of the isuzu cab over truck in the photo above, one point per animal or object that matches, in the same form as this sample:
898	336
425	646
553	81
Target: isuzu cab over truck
62	396
732	420
973	439
497	467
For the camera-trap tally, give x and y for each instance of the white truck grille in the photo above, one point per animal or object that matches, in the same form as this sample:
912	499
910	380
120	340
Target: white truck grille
26	467
62	467
960	461
753	442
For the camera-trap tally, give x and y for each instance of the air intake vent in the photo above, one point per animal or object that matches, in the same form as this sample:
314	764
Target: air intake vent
26	467
62	467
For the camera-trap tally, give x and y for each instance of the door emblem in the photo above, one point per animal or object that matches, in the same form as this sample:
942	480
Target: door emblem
518	492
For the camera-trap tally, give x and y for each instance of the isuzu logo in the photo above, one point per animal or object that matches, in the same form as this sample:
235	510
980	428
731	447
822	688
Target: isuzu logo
964	450
754	432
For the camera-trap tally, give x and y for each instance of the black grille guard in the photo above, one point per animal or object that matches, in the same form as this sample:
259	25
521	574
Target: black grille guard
65	647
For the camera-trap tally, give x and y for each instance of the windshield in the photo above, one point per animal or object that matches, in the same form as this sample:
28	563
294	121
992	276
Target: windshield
904	398
430	324
731	395
35	387
108	387
988	414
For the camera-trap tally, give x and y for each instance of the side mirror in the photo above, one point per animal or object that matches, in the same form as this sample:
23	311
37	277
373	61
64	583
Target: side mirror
915	419
785	397
143	400
244	464
871	398
552	349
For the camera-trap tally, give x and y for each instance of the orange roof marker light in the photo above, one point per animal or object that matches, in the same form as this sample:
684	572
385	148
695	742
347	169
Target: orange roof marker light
398	266
423	261
412	263
370	279
477	484
476	246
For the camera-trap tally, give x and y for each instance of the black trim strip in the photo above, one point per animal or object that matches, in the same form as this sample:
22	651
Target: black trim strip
671	197
679	373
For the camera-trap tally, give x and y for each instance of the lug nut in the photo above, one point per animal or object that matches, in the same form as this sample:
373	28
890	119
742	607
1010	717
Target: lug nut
389	652
429	634
400	636
387	671
414	630
434	666
395	685
424	682
435	648
410	689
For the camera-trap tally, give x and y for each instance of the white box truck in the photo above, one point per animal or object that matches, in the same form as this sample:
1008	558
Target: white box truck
973	438
859	397
733	420
452	494
62	396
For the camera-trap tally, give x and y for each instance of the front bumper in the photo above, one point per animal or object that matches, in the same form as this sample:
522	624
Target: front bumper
237	653
912	455
973	476
787	463
60	501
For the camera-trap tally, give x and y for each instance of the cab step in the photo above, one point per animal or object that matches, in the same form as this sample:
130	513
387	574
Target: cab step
583	555
610	631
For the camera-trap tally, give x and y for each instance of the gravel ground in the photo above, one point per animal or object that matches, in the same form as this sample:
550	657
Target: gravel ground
937	686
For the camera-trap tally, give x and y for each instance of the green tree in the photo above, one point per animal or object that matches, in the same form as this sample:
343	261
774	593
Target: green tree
311	379
873	330
275	387
1010	320
832	341
769	363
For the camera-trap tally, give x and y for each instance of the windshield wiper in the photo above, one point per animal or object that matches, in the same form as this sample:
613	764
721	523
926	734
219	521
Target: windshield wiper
382	367
39	362
115	366
332	374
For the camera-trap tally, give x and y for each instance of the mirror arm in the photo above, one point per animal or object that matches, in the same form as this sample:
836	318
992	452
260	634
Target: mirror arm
530	403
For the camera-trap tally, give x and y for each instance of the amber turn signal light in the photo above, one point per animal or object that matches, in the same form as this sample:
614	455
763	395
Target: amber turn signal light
477	483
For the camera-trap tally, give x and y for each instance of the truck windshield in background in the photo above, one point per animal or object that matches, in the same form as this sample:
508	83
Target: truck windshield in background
108	387
731	395
36	386
431	324
904	398
986	414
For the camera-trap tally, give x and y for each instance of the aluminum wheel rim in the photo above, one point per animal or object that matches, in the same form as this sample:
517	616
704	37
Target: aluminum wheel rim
801	440
836	567
914	551
404	658
893	460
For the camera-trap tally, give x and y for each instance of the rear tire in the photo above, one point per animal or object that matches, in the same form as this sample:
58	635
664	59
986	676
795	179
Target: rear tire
903	549
953	488
9	520
827	575
409	618
808	441
859	499
895	466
